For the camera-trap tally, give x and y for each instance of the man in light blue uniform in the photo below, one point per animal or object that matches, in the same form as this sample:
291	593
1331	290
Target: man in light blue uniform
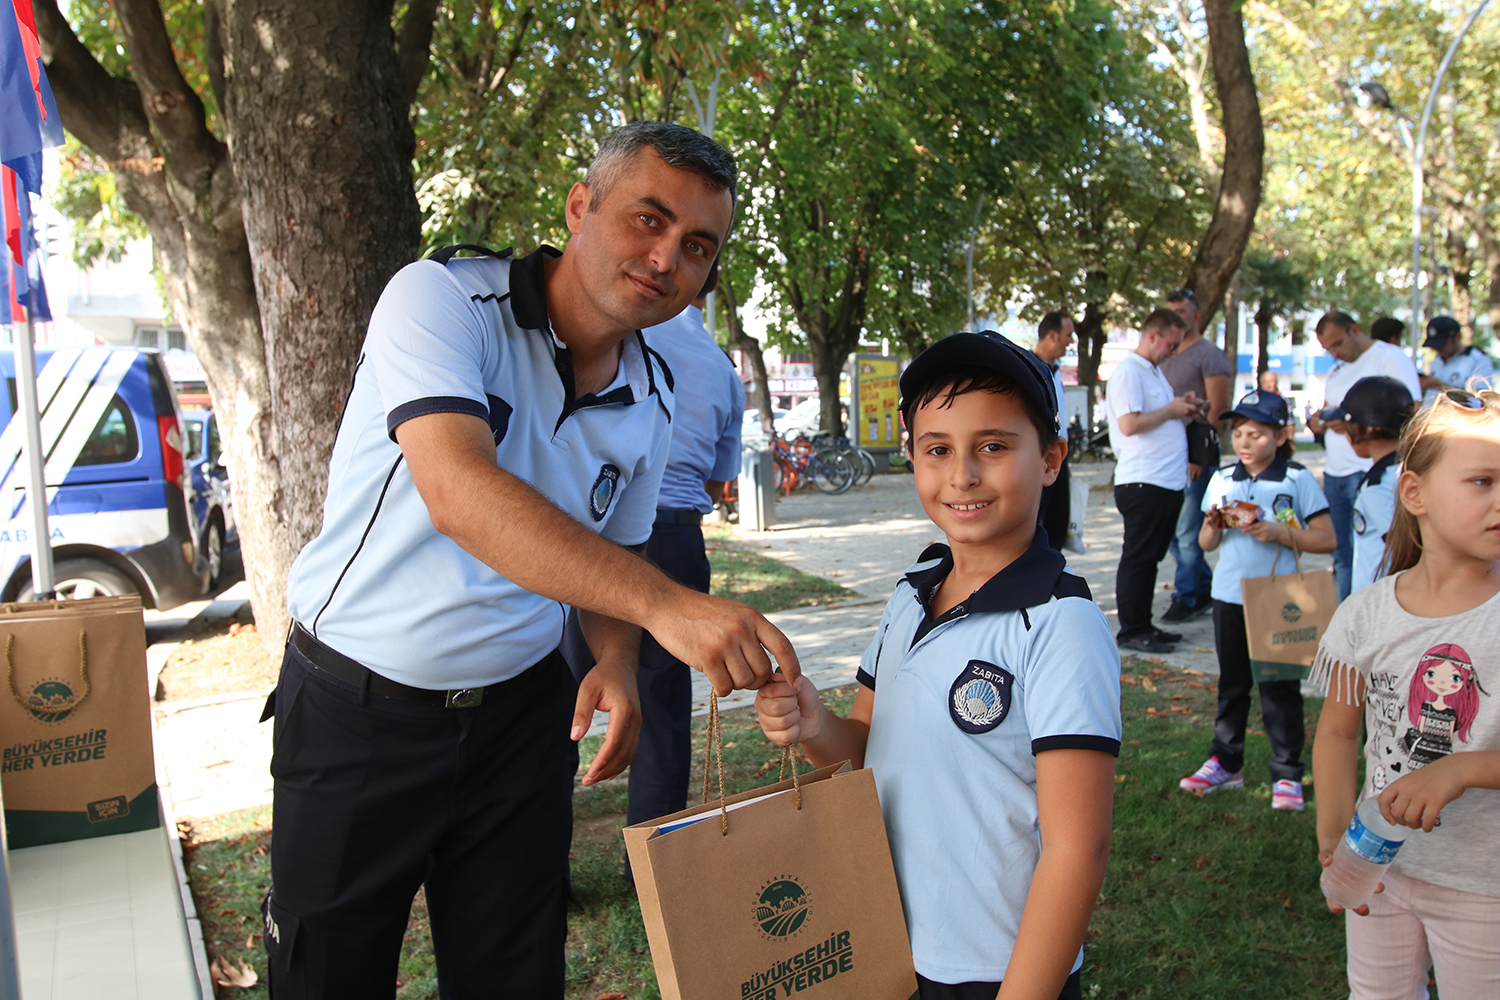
1455	364
499	455
705	454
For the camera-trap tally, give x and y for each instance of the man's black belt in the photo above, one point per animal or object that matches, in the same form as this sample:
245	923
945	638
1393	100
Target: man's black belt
356	674
675	515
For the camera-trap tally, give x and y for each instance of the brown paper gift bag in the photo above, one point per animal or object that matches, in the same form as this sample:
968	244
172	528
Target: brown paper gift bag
1285	617
781	891
75	721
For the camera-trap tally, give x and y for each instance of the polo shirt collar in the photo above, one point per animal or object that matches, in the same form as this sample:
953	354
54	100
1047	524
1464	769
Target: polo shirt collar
1273	473
1028	581
528	303
1378	470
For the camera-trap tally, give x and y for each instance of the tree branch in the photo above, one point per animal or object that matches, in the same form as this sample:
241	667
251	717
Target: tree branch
414	45
105	113
174	108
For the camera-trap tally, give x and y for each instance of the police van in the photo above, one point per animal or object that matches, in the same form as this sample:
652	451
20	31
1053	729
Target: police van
117	484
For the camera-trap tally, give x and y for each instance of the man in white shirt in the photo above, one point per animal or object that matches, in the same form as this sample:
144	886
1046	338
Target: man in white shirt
1147	430
1053	337
1358	356
1455	364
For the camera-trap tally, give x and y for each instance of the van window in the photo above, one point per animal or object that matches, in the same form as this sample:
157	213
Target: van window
194	440
215	450
114	438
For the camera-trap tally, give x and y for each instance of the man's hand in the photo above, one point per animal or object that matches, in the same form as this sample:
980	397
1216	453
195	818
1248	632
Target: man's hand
609	687
789	712
1194	471
726	641
1185	407
1428	382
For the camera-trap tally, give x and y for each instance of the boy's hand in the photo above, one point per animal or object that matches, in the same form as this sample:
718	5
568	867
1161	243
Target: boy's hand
1268	531
1214	518
1415	799
789	713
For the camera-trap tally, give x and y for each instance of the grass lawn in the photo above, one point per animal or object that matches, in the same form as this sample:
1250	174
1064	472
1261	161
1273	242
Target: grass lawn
764	583
1204	897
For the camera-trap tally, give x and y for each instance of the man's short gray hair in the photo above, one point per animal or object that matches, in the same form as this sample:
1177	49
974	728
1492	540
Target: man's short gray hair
677	145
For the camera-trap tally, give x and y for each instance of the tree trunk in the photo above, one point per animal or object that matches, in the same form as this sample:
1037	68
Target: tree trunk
1263	317
1460	271
739	338
179	179
322	139
1091	337
1223	245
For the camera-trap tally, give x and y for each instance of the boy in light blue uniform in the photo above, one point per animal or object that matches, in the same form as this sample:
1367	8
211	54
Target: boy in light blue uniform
994	728
1373	411
1251	510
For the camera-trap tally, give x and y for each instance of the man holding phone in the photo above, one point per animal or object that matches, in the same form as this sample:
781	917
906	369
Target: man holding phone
1357	356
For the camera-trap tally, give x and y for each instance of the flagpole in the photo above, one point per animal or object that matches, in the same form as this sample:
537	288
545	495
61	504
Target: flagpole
43	580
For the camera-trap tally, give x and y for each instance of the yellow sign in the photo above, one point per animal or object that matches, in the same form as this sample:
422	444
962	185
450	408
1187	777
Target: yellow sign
878	423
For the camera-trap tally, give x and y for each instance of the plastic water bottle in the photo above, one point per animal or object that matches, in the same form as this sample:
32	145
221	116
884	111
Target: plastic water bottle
1362	856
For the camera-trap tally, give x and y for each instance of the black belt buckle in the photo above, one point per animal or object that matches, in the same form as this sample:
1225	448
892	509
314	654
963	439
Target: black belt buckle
464	698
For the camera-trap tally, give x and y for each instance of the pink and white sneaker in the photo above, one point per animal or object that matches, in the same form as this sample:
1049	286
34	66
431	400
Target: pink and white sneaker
1211	777
1287	795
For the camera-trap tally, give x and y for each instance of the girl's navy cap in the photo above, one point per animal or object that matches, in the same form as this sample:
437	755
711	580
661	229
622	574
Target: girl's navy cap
1260	405
985	349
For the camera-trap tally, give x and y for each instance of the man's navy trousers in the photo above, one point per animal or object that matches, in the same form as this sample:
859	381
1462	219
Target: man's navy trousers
377	797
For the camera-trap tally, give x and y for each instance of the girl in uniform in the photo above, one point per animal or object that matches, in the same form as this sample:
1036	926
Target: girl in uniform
1252	509
1414	661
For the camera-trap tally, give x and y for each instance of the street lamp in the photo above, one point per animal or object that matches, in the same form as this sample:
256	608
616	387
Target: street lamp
1381	98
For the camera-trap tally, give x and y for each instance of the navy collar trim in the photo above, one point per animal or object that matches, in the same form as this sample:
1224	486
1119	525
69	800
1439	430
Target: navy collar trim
1378	470
1038	574
528	292
1273	473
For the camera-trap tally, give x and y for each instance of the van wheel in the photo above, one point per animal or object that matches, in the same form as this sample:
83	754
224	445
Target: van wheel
81	578
213	551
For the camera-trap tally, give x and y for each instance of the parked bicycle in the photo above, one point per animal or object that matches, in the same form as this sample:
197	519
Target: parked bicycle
825	444
799	463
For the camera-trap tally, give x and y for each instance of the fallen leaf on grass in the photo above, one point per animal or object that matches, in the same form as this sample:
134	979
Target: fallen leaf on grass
1159	671
1178	697
250	941
1148	684
1180	753
226	912
1201	649
1120	779
1180	709
225	974
1135	743
1286	901
1194	673
730	744
611	996
1203	861
1132	681
1150	709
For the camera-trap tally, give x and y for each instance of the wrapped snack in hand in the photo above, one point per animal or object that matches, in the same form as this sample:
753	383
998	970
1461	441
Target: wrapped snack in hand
1241	514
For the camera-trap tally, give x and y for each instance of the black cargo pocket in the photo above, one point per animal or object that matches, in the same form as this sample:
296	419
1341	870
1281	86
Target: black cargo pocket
282	703
280	930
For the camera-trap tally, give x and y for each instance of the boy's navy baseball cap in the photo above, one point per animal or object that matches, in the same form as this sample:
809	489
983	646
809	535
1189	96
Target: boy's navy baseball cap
986	349
1260	405
1440	329
1376	401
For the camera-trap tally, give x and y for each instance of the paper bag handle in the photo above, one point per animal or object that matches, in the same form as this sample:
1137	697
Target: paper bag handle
1296	557
54	707
713	752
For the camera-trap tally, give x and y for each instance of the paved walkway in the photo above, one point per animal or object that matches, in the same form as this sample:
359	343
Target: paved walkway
216	753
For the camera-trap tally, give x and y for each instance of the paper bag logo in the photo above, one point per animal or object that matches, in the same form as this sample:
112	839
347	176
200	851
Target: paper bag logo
106	809
50	701
781	908
980	697
1290	612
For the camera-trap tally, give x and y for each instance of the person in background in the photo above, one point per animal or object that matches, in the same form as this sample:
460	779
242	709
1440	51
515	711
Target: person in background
1200	368
1455	364
1252	510
1357	357
705	454
1146	432
1374	411
1268	382
1053	337
1411	664
1389	330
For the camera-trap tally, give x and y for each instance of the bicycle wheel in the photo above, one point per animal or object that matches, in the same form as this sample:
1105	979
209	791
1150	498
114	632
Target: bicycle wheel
866	466
833	474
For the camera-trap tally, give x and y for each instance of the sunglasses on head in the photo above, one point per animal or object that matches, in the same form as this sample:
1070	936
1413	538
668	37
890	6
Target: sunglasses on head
1464	398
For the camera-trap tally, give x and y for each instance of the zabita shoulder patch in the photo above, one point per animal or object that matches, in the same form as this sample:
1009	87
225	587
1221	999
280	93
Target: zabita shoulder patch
980	697
603	491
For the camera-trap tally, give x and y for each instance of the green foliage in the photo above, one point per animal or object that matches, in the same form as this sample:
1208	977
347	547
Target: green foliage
85	193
